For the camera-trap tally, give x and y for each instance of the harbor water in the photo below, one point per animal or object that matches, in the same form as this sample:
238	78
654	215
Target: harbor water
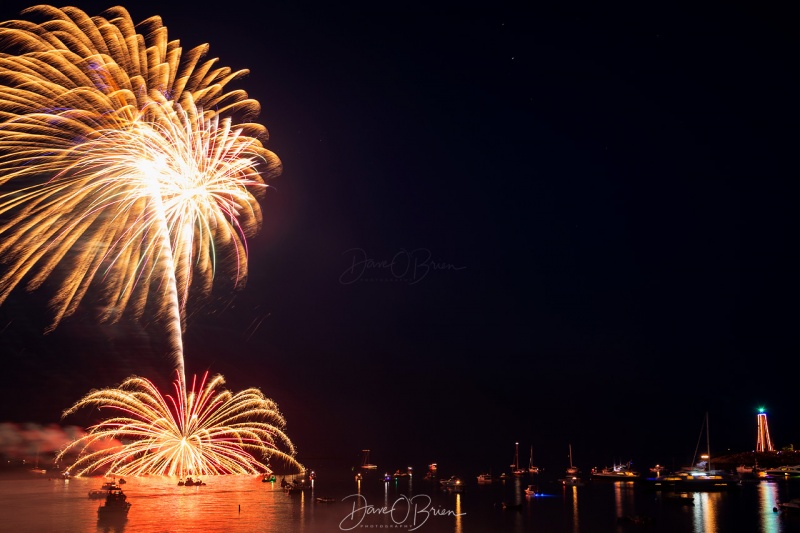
337	502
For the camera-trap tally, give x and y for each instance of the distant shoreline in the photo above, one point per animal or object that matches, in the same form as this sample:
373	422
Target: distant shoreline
763	459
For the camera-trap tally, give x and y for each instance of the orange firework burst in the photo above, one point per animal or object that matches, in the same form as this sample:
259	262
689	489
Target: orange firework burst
202	431
125	166
129	173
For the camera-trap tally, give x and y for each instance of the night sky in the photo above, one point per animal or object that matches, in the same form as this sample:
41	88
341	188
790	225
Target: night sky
545	225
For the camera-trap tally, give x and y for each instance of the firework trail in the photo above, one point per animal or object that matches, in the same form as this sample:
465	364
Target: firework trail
126	168
197	431
130	176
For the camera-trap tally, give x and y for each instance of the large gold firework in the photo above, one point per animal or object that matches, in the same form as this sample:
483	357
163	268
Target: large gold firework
202	431
129	173
125	166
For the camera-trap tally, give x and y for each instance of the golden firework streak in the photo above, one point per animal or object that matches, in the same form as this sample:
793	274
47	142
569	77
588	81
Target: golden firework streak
202	431
121	167
129	174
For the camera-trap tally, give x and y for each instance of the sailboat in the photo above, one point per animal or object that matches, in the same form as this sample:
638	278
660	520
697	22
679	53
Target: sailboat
572	470
700	476
365	464
516	470
532	469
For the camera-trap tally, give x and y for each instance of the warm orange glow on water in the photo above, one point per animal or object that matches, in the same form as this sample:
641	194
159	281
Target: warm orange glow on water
245	504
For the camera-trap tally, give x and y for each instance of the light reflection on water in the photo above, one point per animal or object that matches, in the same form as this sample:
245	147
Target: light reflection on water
768	501
243	504
459	518
705	508
576	523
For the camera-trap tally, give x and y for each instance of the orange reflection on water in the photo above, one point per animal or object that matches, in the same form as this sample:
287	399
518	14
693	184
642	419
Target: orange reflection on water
459	525
704	517
767	502
574	496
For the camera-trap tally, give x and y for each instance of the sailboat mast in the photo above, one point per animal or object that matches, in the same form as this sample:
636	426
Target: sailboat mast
708	442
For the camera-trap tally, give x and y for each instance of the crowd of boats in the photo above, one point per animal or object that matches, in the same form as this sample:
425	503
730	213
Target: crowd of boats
700	477
677	486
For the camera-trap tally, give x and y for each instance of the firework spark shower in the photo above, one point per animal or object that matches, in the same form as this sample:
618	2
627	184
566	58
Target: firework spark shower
130	177
199	431
127	169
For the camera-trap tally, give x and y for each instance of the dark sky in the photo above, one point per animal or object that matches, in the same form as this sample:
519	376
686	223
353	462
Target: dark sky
591	213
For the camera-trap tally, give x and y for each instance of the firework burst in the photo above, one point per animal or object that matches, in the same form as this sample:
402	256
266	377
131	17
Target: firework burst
199	431
129	174
125	166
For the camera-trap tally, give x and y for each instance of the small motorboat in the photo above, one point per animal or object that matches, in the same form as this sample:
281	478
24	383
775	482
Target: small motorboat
103	491
116	504
532	490
452	484
324	500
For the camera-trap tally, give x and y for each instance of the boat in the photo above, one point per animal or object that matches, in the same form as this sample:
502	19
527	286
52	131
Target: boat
532	469
103	491
783	471
365	464
190	482
701	477
657	470
696	480
324	500
485	478
515	469
452	484
572	481
116	504
790	507
532	490
572	470
431	474
296	486
617	472
269	478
